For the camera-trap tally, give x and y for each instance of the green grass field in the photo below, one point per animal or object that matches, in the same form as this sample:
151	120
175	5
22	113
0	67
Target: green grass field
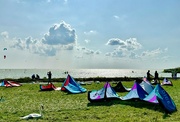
60	106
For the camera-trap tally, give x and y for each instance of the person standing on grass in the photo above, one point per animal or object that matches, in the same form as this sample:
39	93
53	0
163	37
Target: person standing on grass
156	77
148	75
49	74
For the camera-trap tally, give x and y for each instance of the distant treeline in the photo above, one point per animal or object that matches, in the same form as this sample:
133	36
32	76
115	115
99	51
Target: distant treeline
172	70
101	79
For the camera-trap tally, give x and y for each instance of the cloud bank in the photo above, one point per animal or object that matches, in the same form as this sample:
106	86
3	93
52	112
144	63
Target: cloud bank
60	36
129	44
124	48
128	48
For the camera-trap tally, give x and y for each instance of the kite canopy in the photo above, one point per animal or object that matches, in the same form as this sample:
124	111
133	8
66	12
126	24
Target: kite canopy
137	92
147	86
143	91
167	82
6	83
72	86
48	87
158	96
165	100
152	96
120	88
107	92
4	50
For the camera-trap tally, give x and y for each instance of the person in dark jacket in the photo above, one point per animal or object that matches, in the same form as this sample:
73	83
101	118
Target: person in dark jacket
156	77
149	75
49	74
33	77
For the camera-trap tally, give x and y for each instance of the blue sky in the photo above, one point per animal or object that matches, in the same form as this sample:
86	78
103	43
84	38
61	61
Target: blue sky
128	34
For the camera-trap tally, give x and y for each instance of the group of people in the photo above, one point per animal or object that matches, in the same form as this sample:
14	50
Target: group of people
149	76
37	77
156	76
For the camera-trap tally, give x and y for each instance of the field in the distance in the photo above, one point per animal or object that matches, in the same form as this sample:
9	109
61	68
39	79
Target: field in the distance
60	106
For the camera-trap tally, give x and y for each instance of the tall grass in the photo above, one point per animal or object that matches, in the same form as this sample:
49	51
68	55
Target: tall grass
60	106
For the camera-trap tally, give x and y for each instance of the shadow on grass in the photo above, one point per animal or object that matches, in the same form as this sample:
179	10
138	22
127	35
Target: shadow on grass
46	90
69	93
133	103
107	102
142	104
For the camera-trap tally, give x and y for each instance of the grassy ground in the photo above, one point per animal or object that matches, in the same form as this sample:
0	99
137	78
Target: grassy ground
60	106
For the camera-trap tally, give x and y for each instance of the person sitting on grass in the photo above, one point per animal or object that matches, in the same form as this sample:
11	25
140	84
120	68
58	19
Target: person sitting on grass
37	77
33	77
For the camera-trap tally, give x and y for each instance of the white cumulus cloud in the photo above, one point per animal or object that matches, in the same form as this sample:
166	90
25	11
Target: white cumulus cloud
129	44
34	46
91	32
87	51
60	34
115	41
129	47
152	53
5	34
118	52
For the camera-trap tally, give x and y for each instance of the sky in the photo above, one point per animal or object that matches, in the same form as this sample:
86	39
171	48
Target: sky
89	34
